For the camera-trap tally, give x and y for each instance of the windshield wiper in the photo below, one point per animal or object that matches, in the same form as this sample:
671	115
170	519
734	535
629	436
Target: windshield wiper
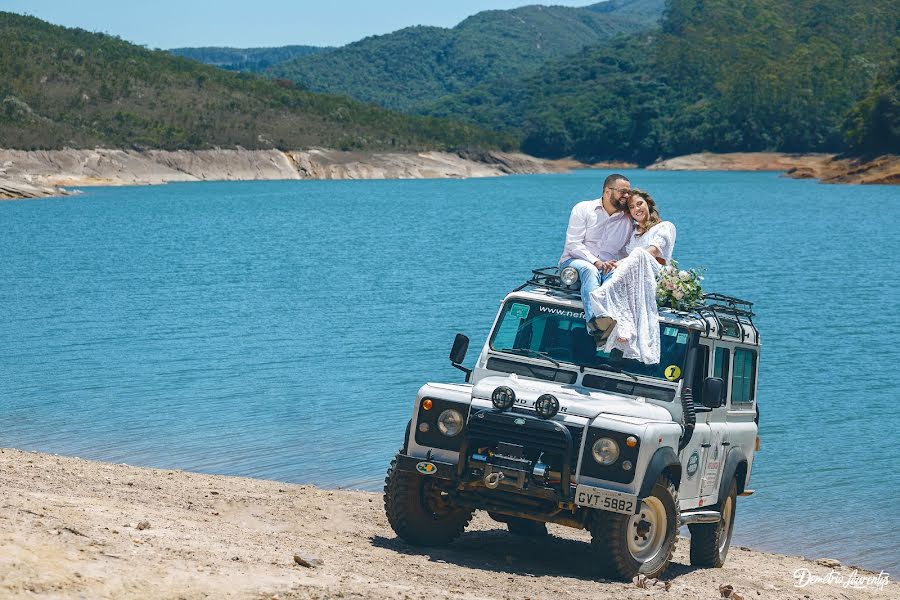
613	369
532	353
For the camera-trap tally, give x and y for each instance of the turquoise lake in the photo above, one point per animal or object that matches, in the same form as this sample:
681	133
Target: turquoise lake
281	329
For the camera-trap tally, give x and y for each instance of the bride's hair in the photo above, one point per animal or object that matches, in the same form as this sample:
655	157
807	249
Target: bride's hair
653	217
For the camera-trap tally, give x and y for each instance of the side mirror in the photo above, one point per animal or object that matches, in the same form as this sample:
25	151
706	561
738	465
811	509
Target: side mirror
713	392
459	349
458	353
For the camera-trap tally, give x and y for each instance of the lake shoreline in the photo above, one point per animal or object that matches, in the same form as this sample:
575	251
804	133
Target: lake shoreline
78	528
827	168
33	174
47	173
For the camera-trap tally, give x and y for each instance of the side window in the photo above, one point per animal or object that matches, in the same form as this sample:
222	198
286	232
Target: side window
720	364
700	371
743	380
731	328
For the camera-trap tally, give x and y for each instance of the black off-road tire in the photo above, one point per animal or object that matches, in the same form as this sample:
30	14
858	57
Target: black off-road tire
610	534
710	541
419	512
526	527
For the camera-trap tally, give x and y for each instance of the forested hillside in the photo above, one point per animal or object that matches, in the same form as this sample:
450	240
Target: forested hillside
69	87
250	60
721	75
412	67
873	126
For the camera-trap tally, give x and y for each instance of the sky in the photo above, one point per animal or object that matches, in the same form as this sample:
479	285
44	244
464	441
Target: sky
175	23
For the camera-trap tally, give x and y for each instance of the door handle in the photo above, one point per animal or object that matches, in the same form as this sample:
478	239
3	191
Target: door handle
726	443
705	445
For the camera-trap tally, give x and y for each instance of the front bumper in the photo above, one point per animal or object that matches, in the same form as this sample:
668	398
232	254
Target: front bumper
504	454
439	470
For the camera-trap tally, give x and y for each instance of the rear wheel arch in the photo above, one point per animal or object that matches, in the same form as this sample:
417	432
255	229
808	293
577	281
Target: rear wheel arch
735	468
740	474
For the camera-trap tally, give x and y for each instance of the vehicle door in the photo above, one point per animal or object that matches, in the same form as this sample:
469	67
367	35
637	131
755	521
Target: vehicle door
719	439
693	457
742	427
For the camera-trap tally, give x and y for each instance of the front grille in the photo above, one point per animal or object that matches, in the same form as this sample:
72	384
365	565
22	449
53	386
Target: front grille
537	436
577	432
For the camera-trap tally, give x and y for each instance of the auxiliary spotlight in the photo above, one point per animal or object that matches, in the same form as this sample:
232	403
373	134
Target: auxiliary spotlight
569	276
546	406
503	398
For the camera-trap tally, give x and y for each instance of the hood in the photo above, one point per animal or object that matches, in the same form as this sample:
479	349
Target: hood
573	400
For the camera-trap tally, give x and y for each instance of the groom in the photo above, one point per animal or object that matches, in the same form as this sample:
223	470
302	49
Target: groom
595	239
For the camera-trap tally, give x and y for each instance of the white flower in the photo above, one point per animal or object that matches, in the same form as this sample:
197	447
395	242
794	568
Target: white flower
678	294
670	285
684	275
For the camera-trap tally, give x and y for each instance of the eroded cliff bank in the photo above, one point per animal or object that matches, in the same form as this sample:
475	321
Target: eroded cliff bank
54	168
827	168
13	189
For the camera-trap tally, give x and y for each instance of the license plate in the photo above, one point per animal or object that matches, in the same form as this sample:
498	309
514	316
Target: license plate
619	502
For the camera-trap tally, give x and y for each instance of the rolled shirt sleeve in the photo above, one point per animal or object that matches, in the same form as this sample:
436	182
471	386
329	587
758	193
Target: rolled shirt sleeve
576	233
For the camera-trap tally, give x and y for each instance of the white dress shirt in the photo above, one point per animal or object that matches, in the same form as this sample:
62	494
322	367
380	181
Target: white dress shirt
593	235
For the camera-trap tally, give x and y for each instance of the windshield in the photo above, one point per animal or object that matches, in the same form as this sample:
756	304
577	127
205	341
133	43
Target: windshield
559	334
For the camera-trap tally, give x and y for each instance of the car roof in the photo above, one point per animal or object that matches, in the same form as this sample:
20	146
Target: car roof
720	316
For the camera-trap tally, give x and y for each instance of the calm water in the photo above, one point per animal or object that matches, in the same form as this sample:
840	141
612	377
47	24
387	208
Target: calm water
281	329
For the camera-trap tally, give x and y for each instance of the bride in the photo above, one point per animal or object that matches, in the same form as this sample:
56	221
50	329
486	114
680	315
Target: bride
628	298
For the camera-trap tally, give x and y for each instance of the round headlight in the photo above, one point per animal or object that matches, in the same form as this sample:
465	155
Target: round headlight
569	276
546	406
503	398
450	422
605	451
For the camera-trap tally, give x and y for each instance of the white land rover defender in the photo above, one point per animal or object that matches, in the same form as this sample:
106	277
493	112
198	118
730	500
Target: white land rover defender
547	429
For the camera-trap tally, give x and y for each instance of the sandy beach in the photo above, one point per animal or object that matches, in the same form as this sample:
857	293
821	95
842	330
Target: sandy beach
73	528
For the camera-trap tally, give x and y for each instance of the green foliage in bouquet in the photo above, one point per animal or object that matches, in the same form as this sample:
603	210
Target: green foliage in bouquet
678	288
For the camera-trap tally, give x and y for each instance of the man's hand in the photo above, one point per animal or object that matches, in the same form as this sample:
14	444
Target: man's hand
605	266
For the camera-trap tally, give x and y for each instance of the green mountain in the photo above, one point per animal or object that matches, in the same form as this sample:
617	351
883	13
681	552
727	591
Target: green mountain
721	75
69	87
873	126
249	60
412	67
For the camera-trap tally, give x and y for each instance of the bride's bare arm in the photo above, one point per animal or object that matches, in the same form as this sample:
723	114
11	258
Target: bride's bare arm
655	253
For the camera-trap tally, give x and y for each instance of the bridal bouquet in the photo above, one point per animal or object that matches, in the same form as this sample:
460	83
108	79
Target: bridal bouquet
679	289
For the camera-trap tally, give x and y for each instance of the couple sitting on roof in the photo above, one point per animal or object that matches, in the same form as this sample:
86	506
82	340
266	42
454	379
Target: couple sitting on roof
617	243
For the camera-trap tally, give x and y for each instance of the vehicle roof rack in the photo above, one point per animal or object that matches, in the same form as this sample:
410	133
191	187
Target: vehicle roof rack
548	277
716	306
721	307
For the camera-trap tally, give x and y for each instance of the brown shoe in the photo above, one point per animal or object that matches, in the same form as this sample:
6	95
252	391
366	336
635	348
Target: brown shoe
605	326
601	324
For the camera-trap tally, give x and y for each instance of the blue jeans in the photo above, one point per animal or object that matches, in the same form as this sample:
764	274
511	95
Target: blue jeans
591	278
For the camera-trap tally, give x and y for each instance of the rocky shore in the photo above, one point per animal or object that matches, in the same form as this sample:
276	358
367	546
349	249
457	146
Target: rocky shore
827	168
879	169
50	169
10	190
72	528
40	173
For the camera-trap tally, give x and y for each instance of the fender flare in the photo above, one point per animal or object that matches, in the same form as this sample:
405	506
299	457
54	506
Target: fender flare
406	437
664	459
733	461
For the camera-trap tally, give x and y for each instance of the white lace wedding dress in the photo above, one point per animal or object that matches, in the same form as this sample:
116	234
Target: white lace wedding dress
629	296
